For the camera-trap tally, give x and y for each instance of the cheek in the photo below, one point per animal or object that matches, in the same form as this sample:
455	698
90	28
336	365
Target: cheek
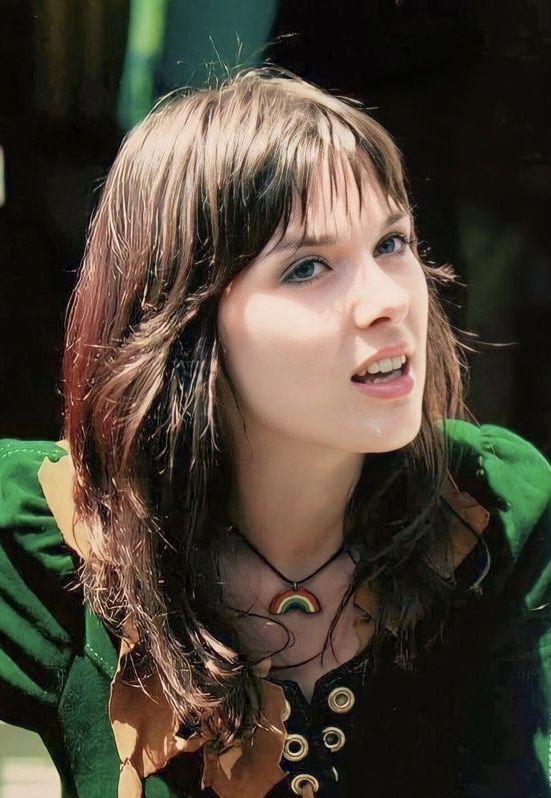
272	347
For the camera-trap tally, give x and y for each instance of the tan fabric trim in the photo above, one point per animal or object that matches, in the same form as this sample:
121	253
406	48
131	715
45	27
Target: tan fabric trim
56	481
251	769
145	726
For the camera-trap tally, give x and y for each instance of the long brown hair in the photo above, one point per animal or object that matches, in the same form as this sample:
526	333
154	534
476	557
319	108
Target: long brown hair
195	193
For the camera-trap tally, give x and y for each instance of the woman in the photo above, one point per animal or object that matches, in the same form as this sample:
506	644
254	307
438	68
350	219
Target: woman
254	564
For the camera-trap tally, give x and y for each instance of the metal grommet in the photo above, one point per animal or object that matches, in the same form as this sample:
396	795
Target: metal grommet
300	781
335	773
502	504
286	714
333	738
295	748
341	699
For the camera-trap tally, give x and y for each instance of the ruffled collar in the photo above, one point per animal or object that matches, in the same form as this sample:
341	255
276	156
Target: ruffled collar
146	729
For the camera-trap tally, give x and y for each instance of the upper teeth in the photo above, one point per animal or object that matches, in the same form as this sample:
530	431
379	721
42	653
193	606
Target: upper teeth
384	365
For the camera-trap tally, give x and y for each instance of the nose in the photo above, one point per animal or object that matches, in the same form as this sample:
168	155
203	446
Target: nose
378	296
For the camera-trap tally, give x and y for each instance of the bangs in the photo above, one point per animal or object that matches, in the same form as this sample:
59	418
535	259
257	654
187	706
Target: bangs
338	176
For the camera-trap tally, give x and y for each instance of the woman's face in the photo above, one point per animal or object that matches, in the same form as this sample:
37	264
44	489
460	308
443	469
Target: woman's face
298	323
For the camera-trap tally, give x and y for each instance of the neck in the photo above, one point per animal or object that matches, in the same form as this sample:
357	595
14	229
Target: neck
290	500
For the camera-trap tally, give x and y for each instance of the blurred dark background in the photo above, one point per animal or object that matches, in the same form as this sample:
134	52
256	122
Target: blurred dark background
463	87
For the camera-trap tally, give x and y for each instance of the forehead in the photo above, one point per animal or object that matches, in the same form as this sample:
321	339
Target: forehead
337	201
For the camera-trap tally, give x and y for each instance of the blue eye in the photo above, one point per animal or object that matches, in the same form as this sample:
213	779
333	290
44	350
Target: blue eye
304	265
404	243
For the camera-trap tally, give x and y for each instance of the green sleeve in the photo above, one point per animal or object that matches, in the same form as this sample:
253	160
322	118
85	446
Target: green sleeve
39	614
506	748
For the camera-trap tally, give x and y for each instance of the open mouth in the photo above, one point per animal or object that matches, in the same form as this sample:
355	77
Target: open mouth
385	376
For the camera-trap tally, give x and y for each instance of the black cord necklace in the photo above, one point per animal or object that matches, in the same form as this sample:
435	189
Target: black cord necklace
295	597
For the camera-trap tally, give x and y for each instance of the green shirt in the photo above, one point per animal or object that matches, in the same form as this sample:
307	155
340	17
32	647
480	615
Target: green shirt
57	660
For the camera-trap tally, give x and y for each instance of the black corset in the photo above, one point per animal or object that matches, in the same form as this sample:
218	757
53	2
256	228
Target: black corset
389	733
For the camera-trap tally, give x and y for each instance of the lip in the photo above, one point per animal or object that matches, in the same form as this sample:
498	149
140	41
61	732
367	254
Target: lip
394	389
388	351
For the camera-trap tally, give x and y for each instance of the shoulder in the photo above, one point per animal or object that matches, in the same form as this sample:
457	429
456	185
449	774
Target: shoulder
508	735
25	517
466	439
20	461
504	472
41	613
512	467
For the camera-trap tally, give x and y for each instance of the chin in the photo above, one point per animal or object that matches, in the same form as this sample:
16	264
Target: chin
389	434
392	444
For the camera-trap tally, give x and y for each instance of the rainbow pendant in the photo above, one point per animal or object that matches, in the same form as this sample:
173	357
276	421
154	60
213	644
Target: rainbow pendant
294	599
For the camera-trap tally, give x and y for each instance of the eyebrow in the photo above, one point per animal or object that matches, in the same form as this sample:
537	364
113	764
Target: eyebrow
327	240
